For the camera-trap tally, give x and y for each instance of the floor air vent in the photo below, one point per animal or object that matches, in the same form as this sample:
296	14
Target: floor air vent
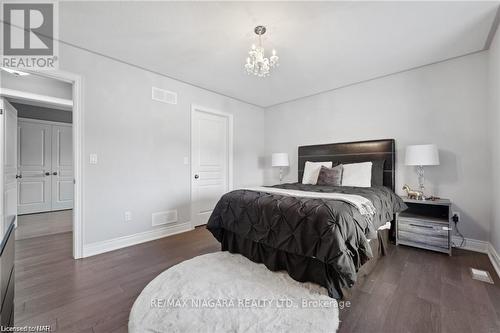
480	275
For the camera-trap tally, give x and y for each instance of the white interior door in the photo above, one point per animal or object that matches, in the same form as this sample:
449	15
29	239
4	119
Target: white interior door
10	164
62	167
34	164
210	162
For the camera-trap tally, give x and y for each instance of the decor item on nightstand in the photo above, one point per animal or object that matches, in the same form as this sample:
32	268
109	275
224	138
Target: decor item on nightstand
420	156
412	194
280	160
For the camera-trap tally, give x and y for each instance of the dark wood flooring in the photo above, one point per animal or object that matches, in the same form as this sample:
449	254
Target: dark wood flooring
44	224
410	290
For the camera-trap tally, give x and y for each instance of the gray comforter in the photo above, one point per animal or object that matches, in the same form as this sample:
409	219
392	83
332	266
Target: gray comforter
386	202
331	231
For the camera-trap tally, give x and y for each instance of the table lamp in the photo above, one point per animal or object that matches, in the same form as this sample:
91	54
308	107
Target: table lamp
280	160
420	156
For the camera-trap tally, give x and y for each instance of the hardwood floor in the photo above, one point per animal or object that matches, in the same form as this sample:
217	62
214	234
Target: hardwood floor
410	290
413	290
44	224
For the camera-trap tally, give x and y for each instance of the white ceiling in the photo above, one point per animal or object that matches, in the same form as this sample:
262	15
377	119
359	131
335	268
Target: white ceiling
322	45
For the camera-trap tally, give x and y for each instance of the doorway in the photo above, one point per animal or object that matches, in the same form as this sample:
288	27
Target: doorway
211	160
52	195
38	169
44	171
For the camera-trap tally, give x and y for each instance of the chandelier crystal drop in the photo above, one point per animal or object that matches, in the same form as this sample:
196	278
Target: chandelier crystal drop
257	63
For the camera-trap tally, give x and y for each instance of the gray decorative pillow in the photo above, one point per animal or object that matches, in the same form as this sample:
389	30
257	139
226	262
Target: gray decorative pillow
330	176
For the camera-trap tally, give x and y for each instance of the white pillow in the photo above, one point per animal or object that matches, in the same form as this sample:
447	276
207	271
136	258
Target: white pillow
311	171
357	174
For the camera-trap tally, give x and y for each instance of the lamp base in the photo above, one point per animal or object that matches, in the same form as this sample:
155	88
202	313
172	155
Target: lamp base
421	178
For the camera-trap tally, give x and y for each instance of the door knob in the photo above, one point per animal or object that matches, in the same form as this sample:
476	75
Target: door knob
54	173
19	176
196	176
47	174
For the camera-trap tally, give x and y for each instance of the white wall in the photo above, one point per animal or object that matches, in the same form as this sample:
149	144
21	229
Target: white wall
141	144
494	85
445	103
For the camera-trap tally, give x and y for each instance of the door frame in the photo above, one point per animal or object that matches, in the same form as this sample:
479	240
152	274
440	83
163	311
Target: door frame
78	149
229	116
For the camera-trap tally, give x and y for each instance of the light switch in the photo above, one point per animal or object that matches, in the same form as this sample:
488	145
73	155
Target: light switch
127	216
186	161
93	159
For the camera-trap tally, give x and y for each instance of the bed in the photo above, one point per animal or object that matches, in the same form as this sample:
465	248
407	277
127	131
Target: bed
315	237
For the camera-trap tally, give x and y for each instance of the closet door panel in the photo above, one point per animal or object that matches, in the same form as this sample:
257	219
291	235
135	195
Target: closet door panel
62	167
35	165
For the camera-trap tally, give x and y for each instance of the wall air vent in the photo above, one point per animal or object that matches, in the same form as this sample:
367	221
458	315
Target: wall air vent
162	218
164	96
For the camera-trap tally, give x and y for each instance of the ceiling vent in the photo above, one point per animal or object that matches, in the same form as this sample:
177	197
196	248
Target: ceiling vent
164	96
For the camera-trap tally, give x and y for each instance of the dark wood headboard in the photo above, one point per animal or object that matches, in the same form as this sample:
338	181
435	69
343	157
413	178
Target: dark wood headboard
353	152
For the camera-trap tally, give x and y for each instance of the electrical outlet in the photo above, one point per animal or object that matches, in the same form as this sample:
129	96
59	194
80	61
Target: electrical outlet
456	214
127	216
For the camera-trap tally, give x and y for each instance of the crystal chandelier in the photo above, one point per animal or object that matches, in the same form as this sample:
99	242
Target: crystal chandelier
257	63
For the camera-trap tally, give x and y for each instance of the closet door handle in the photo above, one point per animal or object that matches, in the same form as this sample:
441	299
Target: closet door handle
54	173
47	174
19	176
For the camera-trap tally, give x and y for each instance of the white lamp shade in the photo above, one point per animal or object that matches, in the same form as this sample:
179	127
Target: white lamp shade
280	160
422	155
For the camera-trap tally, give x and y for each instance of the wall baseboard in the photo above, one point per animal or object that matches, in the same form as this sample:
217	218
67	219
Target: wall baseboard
494	258
93	249
471	244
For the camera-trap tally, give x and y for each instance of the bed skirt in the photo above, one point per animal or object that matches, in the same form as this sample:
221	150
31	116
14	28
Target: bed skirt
300	268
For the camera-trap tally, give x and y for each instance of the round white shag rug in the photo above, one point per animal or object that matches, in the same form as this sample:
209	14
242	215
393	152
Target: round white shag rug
224	292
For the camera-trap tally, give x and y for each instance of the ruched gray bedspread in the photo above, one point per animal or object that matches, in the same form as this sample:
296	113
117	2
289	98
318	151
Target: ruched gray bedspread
301	231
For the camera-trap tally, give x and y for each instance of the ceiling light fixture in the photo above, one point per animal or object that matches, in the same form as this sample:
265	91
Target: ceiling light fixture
257	63
14	71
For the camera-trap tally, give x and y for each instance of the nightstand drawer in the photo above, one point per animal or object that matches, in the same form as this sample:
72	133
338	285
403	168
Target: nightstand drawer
423	227
423	232
412	237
